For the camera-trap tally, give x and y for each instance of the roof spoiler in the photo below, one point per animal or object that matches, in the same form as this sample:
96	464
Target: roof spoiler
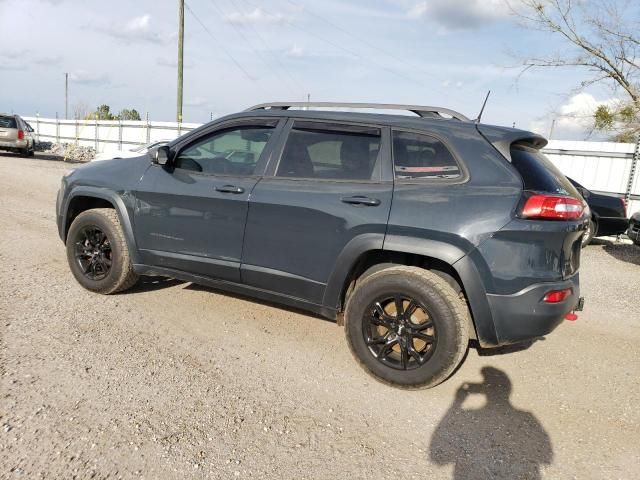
502	138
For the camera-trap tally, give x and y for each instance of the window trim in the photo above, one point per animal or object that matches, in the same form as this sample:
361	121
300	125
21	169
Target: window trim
276	124
379	165
464	172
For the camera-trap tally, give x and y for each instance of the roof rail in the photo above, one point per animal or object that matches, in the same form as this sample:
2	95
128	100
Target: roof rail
420	110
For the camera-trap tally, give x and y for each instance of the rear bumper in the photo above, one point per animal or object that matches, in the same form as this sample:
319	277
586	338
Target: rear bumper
13	144
611	226
524	316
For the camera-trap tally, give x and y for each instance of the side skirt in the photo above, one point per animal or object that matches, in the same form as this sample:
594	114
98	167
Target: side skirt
238	288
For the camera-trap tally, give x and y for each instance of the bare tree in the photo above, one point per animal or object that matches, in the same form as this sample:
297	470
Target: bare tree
602	37
80	110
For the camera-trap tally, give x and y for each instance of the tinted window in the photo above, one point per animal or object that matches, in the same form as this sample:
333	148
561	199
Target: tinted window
8	122
538	173
422	156
230	152
348	154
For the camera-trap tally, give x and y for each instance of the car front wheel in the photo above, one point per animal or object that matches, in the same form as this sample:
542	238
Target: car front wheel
407	327
97	252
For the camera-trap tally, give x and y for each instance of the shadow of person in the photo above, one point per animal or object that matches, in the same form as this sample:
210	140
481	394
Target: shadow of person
496	441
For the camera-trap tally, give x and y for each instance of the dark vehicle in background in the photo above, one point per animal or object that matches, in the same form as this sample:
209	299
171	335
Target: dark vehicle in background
418	234
16	135
608	214
634	228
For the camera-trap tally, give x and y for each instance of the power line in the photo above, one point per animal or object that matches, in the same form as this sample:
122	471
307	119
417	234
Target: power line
352	35
248	42
222	47
349	51
292	80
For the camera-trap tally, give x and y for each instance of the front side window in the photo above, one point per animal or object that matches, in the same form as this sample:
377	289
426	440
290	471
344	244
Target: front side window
330	153
234	151
422	156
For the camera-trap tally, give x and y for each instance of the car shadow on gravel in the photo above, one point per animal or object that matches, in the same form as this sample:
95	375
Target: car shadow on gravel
151	284
496	440
238	296
625	252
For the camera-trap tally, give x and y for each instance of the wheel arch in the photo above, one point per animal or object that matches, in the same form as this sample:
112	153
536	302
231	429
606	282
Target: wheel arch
449	261
86	198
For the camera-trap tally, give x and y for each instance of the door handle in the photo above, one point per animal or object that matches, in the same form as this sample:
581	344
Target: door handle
230	189
360	200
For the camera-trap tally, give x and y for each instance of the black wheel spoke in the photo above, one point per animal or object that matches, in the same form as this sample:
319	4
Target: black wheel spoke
404	355
424	337
414	353
399	306
387	349
411	308
377	341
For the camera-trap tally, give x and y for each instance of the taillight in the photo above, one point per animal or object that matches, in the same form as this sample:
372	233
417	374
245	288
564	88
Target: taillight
624	206
20	134
552	207
557	296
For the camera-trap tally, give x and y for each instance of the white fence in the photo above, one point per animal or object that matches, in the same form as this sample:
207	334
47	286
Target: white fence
603	167
600	166
106	135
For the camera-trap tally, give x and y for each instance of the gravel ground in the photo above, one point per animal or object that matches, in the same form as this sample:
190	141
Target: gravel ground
172	380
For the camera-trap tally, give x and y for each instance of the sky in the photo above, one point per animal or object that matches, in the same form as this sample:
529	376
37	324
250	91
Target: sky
239	53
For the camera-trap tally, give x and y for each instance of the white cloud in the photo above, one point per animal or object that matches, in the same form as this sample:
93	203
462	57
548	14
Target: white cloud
256	16
295	51
83	77
137	29
459	14
573	120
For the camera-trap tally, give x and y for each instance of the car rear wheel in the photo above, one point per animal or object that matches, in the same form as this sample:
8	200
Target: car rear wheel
97	252
589	233
407	327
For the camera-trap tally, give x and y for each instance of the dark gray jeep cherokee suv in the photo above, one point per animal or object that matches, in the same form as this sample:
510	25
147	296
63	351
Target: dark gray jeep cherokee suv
418	233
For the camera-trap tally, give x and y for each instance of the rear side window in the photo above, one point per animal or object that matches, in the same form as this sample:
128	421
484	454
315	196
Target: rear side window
332	152
538	173
8	122
422	156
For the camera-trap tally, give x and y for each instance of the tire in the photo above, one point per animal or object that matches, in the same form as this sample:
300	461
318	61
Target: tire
589	234
24	152
96	238
438	305
32	152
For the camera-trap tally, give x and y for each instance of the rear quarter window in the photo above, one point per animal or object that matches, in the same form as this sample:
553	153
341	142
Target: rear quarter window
418	156
8	122
538	173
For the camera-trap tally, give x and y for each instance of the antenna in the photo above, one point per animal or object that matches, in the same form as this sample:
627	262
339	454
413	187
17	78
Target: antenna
477	120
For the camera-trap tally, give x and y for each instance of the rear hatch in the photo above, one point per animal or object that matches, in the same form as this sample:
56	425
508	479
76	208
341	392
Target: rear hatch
8	128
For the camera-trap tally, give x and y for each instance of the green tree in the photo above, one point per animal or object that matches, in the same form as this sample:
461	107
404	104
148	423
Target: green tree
601	38
126	114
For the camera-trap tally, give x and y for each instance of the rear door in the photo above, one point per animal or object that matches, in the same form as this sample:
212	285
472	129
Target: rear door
323	190
191	216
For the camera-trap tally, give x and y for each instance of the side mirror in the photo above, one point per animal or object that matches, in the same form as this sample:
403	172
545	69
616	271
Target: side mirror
162	155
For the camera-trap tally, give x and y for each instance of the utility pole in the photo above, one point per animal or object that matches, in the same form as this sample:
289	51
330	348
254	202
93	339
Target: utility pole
180	53
66	96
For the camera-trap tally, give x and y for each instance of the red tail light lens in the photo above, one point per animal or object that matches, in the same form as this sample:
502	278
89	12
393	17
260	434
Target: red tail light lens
20	134
624	206
552	207
557	296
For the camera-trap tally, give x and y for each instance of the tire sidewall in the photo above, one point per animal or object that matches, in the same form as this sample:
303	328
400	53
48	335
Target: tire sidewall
447	326
87	219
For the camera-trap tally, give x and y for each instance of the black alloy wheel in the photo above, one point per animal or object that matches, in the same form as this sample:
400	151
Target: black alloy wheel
93	252
399	332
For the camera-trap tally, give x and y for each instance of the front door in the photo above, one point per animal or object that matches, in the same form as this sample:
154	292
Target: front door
191	215
326	190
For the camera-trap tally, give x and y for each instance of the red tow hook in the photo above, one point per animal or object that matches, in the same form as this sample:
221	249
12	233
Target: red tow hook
571	316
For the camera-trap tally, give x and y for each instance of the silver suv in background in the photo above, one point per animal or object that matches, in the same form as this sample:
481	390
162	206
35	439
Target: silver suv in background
16	135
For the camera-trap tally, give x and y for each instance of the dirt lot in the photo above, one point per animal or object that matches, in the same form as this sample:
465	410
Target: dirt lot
172	380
